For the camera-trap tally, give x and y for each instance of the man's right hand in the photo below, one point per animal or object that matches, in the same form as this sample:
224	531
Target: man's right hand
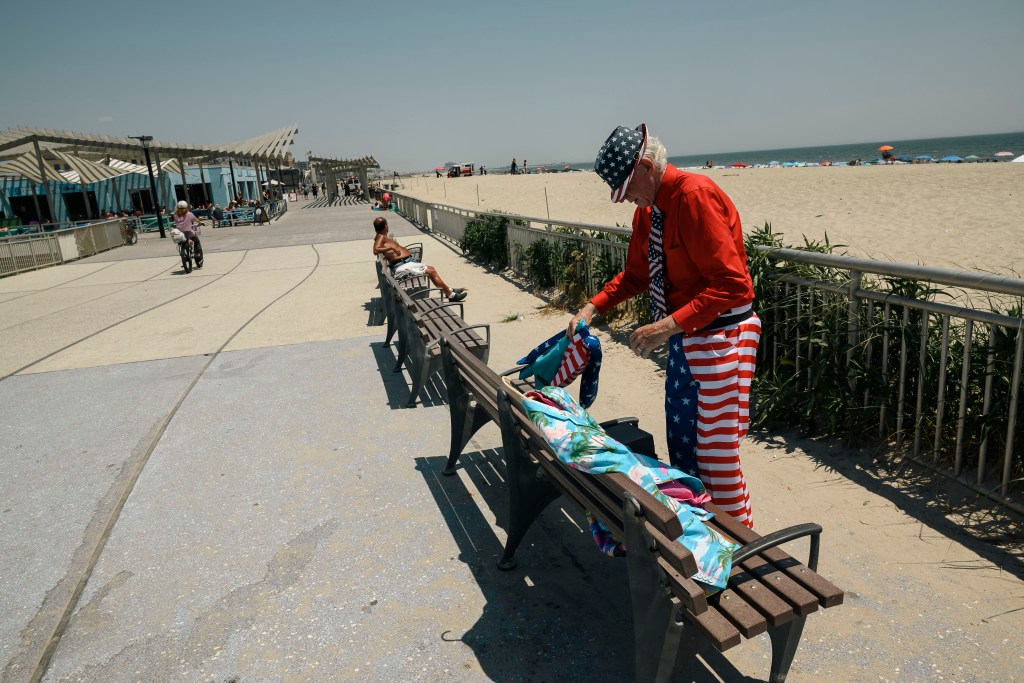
586	313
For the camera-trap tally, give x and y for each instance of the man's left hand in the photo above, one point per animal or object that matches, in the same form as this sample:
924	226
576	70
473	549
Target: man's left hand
646	339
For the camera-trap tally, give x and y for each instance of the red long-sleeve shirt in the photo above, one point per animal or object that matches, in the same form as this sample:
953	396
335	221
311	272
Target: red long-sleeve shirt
705	263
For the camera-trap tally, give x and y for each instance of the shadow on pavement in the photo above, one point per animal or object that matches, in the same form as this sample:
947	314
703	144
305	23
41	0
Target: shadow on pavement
563	614
397	385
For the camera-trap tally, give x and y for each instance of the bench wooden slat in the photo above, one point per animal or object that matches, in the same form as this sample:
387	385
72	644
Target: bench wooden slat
827	594
759	596
798	598
687	590
748	620
717	629
673	552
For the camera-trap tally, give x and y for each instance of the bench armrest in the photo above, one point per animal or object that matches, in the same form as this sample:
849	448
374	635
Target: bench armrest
435	309
424	293
783	536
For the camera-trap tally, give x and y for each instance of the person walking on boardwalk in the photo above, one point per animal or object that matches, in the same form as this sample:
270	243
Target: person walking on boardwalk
687	252
404	265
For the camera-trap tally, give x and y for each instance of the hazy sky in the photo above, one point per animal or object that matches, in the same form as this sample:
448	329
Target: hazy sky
419	83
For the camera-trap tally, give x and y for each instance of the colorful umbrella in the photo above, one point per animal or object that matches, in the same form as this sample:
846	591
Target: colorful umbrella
885	148
951	157
923	156
739	164
1003	154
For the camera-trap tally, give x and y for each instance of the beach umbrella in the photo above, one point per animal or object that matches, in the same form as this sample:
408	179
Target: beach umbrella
739	164
773	163
923	156
885	148
951	157
1003	154
1020	159
903	159
971	157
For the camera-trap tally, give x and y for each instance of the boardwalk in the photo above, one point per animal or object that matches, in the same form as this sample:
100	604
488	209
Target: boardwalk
209	477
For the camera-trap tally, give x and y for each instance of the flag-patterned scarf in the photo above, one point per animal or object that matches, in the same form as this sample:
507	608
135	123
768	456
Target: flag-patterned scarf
560	360
656	265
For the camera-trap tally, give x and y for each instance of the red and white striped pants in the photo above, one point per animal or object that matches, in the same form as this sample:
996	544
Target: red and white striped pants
707	408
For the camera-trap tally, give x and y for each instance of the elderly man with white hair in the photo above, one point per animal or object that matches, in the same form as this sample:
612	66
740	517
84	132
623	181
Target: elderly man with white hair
687	252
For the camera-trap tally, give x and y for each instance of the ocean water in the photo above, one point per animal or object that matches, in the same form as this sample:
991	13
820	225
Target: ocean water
983	146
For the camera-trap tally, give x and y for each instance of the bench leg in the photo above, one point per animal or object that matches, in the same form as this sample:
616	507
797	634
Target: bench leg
785	640
660	635
528	496
466	421
403	347
420	372
389	316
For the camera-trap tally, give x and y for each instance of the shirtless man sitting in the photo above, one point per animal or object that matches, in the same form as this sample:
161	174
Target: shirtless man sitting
403	265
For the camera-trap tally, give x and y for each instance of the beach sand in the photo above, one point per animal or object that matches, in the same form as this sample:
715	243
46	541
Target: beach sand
945	215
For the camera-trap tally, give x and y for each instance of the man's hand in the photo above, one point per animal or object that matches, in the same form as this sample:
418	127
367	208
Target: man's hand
646	339
586	313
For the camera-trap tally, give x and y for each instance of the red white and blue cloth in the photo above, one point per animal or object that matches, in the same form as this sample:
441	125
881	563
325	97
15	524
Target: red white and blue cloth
558	361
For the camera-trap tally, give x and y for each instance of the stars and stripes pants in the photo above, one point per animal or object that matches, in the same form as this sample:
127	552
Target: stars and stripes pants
707	409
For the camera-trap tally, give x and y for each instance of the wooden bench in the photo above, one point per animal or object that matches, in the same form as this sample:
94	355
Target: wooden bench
420	321
768	592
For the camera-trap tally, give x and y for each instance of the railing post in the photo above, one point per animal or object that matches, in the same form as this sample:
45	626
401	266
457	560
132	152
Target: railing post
853	324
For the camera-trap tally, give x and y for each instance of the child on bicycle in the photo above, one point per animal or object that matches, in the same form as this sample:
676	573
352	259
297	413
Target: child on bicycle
187	222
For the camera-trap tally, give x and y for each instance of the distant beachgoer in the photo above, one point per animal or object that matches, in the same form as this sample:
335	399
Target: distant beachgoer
524	165
402	263
315	190
687	252
514	167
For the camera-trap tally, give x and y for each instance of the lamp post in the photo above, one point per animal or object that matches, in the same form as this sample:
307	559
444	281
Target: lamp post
145	140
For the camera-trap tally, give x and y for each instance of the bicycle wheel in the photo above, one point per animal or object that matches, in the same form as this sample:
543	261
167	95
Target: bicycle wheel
186	257
132	237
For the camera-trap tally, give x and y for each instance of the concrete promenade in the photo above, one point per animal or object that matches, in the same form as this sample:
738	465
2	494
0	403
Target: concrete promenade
210	477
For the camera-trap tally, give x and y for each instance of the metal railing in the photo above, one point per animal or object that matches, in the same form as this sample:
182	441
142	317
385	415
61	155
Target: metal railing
41	250
599	251
942	378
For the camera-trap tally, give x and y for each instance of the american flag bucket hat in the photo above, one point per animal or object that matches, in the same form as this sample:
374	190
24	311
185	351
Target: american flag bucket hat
618	157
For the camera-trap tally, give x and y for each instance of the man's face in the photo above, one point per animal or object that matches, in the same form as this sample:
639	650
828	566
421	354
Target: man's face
643	186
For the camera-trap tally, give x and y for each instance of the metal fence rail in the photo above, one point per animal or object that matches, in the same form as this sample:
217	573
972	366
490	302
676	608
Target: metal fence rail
943	379
597	250
35	251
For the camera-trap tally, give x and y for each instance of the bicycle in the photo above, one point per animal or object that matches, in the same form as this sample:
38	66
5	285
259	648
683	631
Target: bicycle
131	232
185	250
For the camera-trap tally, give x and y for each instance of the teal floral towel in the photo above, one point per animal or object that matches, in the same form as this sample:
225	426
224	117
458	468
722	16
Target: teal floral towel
579	442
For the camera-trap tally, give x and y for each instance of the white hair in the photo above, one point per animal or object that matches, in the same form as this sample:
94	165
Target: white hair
657	153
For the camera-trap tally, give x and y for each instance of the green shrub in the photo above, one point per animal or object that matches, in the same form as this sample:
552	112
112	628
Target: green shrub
486	240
